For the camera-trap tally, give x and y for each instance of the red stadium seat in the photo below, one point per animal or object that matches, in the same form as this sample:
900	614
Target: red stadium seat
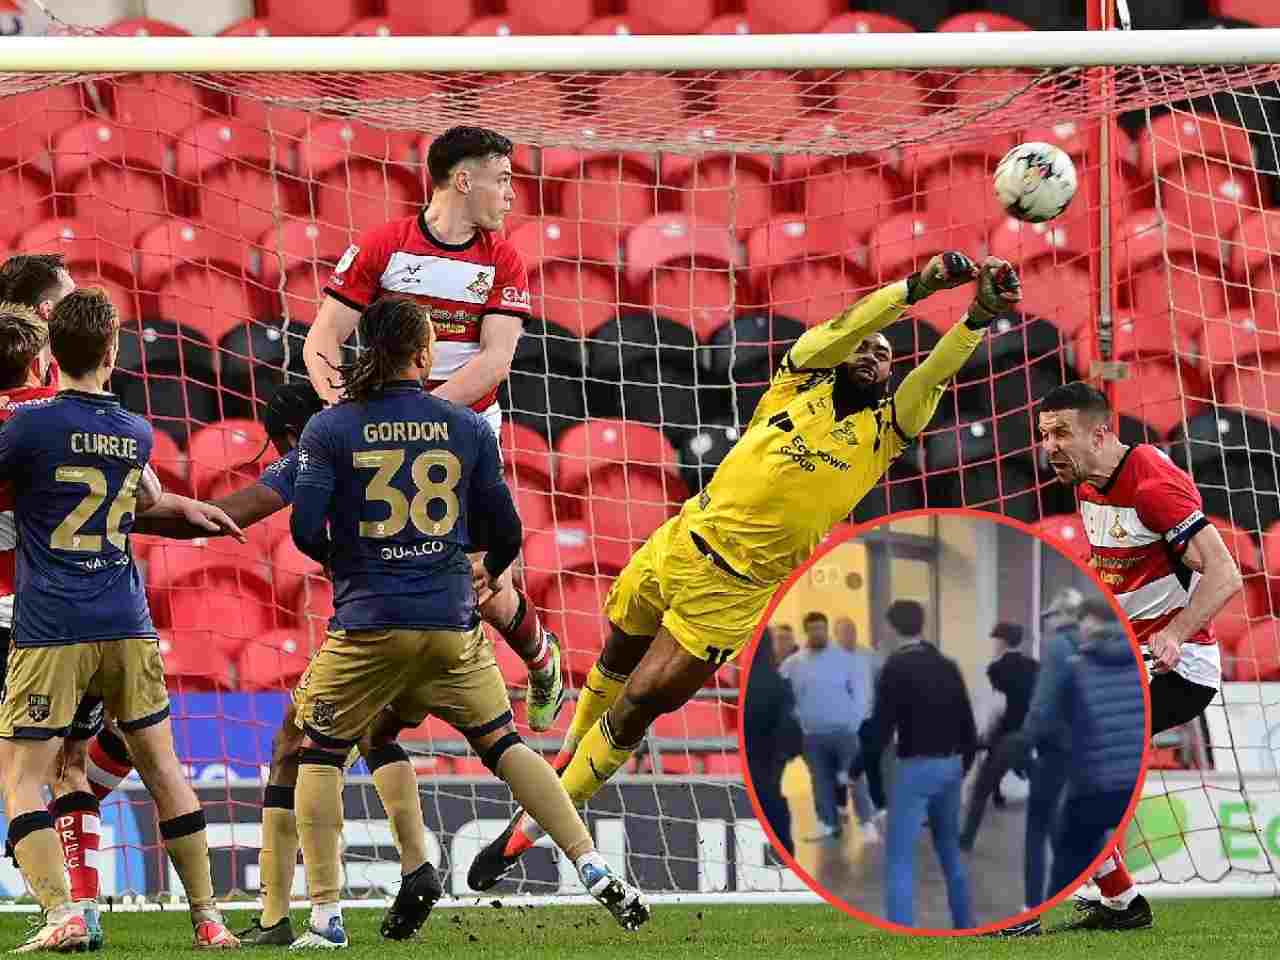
1189	287
804	16
526	452
317	19
696	720
533	498
275	661
193	662
554	19
1260	13
1209	198
171	244
219	586
573	609
169	464
1067	534
683	270
1258	652
862	21
1053	261
622	25
31	122
1235	340
734	190
28	195
797	274
251	105
331	144
1178	139
1256	389
85	248
209	301
292	570
568	549
267	534
496	26
253	27
370	27
614	191
627	506
414	18
728	764
882	103
675	16
144	27
844	200
111	177
603	444
573	272
1154	392
980	21
364	194
228	447
162	105
309	250
98	140
639	103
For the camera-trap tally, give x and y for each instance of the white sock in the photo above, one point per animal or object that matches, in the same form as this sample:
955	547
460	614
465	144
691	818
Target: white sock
542	652
322	913
591	858
1122	901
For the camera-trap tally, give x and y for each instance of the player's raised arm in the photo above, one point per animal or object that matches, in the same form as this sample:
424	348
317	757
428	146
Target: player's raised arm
322	350
917	398
829	344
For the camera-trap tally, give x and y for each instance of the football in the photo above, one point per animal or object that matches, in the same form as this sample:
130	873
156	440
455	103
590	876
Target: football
1035	182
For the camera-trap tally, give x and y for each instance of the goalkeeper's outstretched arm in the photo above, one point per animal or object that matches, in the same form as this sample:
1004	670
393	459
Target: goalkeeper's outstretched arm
829	344
916	400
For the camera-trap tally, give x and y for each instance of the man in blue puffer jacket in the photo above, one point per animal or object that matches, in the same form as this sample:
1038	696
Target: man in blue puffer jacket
1100	695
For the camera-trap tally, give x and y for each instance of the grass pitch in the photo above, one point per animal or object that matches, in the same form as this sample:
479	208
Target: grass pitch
1194	929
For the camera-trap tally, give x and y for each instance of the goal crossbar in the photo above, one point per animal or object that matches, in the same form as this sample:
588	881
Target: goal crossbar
1046	50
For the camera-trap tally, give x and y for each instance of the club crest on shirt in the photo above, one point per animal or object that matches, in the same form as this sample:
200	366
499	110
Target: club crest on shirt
38	707
481	285
1118	531
846	432
322	714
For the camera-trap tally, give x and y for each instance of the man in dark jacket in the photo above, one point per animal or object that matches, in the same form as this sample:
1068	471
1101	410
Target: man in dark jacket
1100	695
772	737
1012	674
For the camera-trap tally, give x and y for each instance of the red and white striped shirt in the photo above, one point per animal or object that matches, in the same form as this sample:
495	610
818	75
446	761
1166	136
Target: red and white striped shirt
459	282
1138	524
10	403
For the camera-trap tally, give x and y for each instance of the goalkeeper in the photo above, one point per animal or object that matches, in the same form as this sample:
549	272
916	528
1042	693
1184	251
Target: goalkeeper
691	596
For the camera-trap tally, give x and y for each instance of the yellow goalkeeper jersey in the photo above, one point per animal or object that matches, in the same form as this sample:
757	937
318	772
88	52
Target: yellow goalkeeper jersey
800	467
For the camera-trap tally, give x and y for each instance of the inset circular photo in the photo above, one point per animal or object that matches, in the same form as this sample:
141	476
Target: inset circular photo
944	723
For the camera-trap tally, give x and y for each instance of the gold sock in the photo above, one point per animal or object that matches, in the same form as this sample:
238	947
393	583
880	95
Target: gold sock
318	807
397	788
187	843
595	698
39	854
537	789
277	861
597	759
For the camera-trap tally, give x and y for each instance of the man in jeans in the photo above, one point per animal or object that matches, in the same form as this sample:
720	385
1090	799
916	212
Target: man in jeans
832	691
922	698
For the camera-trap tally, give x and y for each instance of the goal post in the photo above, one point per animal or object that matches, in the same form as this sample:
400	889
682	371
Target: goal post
686	206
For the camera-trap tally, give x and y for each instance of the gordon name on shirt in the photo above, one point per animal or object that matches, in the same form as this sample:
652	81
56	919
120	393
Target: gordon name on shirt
403	431
105	445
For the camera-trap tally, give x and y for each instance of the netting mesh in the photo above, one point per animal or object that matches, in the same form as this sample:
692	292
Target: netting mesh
680	232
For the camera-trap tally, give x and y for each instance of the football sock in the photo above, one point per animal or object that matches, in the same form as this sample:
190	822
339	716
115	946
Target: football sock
537	789
187	844
397	787
109	763
525	636
77	821
39	855
1115	884
279	857
319	811
597	758
322	913
598	694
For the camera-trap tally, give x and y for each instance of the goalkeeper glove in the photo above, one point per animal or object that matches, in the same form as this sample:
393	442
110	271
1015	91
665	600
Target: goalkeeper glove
999	289
944	271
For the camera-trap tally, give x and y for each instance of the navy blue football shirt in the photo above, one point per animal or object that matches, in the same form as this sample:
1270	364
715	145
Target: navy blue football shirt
75	464
408	484
281	476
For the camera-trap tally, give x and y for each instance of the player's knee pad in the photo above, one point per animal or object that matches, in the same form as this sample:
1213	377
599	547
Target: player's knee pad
494	753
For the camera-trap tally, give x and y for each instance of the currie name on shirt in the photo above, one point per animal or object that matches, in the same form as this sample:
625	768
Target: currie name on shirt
105	445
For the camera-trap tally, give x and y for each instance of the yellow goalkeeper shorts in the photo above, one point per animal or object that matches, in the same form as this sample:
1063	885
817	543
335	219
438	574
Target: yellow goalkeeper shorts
669	582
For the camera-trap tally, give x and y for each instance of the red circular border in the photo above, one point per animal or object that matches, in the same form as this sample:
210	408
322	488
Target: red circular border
843	533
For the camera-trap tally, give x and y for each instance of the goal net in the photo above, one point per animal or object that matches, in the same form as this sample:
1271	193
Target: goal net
681	225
